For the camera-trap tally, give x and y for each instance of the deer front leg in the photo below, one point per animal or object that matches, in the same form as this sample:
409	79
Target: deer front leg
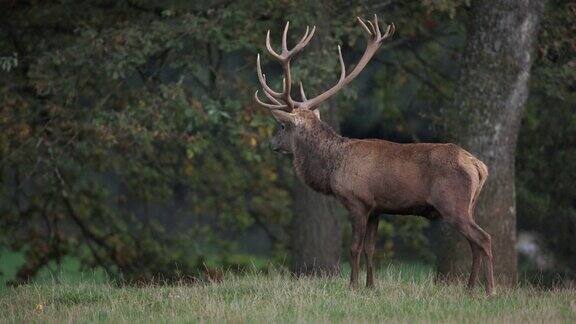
358	216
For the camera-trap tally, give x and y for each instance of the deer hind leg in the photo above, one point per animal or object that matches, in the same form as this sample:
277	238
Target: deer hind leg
369	247
481	246
458	212
485	242
476	264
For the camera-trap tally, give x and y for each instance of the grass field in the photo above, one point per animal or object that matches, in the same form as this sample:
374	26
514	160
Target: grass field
404	294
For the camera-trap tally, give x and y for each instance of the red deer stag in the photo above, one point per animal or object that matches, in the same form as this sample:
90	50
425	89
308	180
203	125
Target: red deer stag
375	176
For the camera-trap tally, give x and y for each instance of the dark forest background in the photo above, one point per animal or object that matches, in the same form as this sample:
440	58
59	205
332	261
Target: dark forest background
130	142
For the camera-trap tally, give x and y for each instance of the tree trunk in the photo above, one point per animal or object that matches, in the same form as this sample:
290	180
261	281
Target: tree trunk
489	103
316	244
316	236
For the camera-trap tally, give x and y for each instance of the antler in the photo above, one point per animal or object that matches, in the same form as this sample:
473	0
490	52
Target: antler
283	100
375	39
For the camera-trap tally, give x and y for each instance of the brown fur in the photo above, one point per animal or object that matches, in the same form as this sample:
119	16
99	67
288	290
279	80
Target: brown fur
377	176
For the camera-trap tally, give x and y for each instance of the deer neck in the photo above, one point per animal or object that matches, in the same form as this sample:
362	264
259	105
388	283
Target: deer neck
317	154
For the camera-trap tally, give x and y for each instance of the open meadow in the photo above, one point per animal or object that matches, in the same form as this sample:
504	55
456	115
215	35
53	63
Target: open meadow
403	294
202	161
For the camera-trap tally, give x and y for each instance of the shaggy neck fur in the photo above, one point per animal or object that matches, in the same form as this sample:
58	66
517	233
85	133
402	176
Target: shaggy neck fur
318	152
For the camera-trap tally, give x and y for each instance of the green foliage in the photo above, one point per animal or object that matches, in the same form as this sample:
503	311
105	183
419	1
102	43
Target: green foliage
125	143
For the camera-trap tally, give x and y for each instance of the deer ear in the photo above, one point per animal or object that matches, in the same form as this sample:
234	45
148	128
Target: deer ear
282	116
317	113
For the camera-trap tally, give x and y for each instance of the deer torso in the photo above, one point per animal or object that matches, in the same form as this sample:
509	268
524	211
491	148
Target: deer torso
390	177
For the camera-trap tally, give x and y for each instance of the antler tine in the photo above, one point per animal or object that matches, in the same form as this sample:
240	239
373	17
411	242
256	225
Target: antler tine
303	36
371	27
377	26
364	26
262	79
267	105
285	51
304	41
389	31
269	96
269	47
302	94
342	66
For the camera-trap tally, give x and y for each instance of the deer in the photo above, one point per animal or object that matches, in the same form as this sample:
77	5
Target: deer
369	177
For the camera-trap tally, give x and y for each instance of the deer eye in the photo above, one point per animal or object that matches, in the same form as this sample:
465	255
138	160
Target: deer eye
282	126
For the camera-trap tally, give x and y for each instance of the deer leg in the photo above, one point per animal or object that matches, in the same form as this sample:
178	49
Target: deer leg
480	244
359	220
369	247
476	264
485	243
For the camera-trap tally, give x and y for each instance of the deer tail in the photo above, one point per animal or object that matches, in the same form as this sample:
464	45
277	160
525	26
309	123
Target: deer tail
482	170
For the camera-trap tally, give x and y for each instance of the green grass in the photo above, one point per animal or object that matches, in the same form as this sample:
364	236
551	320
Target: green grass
404	294
70	269
9	263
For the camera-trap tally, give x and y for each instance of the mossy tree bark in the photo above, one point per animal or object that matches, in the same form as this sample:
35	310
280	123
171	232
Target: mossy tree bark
489	103
316	237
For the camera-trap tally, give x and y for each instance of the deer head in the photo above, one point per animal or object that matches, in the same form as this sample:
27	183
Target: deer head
292	114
